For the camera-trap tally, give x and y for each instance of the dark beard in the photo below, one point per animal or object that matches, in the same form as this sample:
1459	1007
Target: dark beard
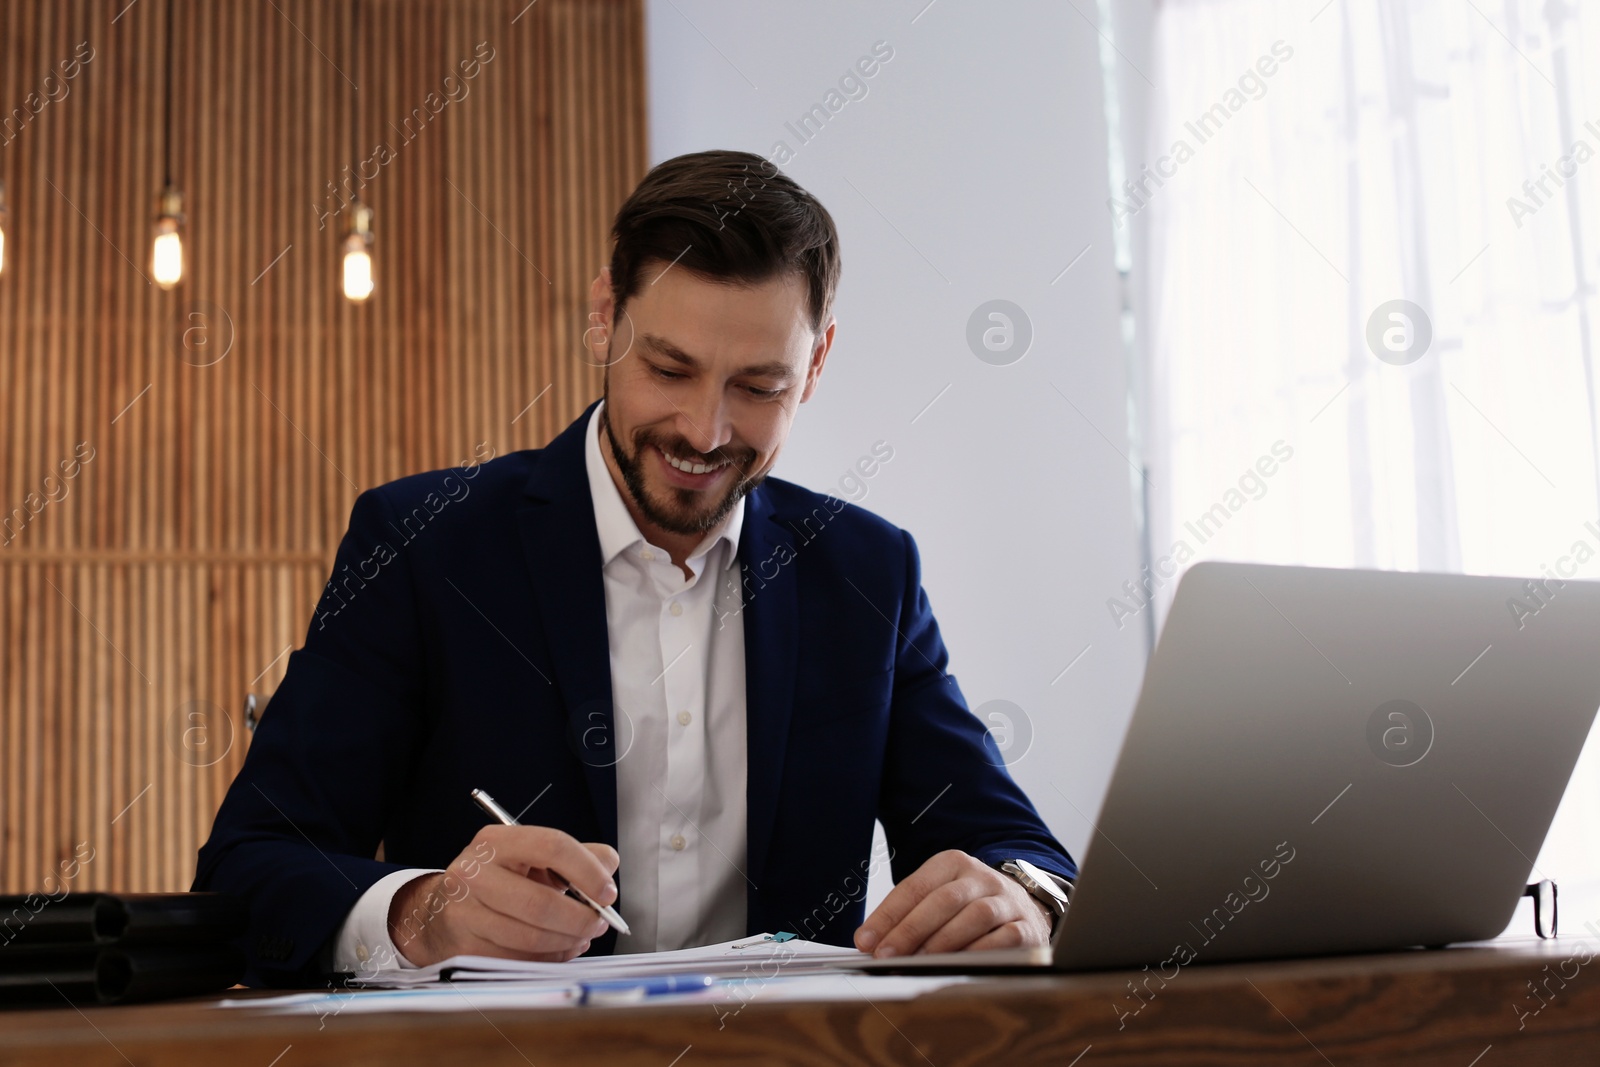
674	519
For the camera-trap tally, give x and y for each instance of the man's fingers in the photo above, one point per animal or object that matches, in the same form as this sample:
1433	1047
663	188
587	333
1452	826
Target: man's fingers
899	903
505	895
519	939
887	915
929	915
1010	935
967	926
528	848
534	904
605	854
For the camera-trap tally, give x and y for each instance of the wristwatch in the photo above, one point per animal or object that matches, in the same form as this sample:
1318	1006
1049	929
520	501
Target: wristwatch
1048	889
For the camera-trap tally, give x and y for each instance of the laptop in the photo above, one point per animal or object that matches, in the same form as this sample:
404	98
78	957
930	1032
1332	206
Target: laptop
1329	761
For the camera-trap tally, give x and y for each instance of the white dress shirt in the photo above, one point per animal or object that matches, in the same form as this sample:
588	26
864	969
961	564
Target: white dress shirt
678	697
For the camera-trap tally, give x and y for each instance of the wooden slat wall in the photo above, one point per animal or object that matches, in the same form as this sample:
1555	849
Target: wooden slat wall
171	572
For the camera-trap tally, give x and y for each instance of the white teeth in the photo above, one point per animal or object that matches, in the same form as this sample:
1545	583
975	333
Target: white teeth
692	468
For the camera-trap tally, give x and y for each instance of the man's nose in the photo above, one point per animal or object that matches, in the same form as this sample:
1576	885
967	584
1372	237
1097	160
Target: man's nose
704	423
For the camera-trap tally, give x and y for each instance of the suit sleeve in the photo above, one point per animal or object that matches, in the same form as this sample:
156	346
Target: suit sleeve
945	782
296	833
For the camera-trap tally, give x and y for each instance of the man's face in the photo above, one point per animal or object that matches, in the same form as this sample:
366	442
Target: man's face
703	380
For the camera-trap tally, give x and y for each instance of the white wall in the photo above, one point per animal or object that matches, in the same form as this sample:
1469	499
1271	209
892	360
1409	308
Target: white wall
973	169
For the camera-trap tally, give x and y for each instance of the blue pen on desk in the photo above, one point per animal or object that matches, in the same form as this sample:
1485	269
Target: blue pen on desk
631	990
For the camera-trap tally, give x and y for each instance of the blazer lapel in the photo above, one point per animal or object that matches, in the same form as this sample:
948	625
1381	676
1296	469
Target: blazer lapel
771	651
563	556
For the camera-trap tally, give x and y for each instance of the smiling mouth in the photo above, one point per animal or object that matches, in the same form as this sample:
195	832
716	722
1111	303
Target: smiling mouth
693	467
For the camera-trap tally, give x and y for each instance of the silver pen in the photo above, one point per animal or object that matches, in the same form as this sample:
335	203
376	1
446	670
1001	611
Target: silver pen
488	804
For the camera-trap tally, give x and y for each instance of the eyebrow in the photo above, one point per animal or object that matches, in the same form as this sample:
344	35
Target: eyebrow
774	368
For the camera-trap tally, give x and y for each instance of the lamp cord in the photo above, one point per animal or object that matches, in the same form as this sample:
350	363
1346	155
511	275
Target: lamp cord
355	106
166	114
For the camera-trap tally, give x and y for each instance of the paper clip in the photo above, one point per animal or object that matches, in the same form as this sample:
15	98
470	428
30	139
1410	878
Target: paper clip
768	939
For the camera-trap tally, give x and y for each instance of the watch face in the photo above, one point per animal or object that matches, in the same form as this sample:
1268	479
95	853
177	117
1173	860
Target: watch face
1041	880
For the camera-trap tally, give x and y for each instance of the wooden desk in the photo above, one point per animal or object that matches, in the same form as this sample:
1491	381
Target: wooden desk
1453	1008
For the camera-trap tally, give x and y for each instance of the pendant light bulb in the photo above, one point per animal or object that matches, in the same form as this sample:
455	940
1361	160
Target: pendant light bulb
358	253
166	258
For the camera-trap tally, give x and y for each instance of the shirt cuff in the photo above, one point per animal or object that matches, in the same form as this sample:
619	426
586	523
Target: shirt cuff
362	946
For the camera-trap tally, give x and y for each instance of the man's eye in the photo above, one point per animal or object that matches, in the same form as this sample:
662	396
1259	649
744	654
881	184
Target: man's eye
666	375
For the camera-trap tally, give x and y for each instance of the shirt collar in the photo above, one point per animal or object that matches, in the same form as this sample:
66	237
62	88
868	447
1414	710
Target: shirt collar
618	532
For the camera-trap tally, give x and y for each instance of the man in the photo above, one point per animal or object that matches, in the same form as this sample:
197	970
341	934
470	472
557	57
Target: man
694	685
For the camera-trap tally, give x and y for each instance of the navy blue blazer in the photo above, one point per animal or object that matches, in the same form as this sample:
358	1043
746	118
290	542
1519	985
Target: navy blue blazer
462	644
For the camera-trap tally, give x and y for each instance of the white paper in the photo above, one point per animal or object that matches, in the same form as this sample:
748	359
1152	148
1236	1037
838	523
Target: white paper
726	999
758	959
441	996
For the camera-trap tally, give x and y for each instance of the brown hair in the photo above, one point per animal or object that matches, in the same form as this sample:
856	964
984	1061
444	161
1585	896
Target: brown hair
727	216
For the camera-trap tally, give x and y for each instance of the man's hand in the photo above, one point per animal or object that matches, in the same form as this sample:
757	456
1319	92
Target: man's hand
951	903
498	899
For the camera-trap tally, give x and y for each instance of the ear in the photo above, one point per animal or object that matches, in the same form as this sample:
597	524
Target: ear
599	328
819	356
600	292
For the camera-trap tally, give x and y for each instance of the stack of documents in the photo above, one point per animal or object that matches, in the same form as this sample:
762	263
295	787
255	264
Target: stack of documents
764	956
727	997
768	968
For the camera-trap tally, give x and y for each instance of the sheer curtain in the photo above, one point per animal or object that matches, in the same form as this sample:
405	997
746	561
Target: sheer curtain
1372	237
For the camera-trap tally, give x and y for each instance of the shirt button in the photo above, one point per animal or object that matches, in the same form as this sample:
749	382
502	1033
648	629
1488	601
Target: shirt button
678	843
361	952
647	554
677	608
684	718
